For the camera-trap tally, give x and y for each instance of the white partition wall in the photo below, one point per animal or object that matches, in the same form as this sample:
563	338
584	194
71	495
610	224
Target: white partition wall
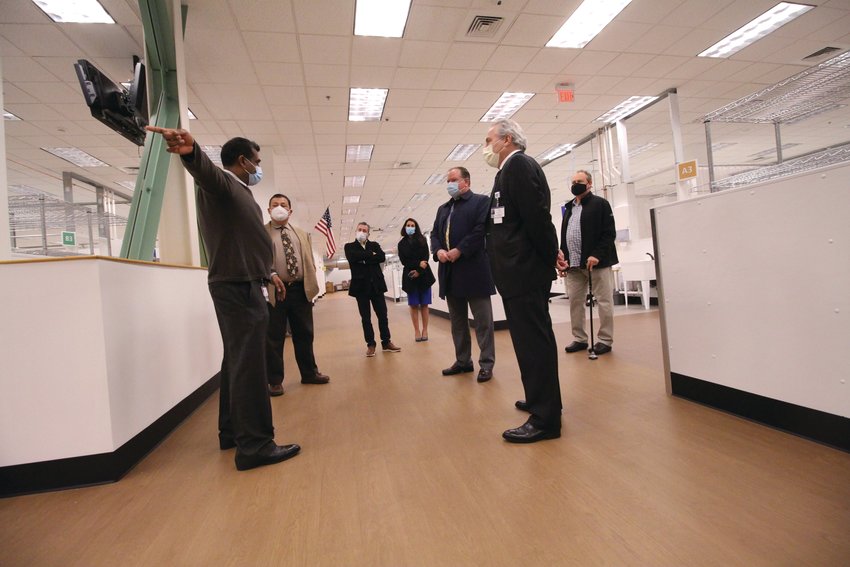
96	353
755	303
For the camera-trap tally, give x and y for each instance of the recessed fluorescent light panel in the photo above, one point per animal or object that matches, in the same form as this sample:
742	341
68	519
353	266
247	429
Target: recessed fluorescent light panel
625	108
366	104
358	152
506	106
462	152
76	156
131	185
590	19
436	179
768	22
555	152
382	18
214	153
191	114
9	116
354	198
77	12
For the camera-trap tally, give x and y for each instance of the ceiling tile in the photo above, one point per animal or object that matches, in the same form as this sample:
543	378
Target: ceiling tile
532	30
414	78
284	74
277	47
380	51
102	40
371	76
649	12
326	75
296	96
492	80
468	56
262	15
423	54
324	17
510	58
589	62
25	69
618	34
433	23
35	40
325	49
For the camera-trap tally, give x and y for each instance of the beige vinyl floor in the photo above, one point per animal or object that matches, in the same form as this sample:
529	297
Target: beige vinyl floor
404	467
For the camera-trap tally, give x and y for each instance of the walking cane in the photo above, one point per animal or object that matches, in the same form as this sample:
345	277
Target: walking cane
591	301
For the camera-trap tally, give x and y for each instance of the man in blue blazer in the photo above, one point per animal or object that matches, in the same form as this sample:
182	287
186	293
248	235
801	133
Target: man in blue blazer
368	286
457	241
523	250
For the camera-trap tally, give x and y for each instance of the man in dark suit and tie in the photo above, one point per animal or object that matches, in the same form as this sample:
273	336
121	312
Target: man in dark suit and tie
523	248
368	286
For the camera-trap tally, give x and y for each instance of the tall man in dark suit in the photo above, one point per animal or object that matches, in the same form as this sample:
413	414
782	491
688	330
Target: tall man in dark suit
587	242
240	261
368	286
523	249
457	240
293	263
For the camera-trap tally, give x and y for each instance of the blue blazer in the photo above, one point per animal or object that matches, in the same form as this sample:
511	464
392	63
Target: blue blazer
470	275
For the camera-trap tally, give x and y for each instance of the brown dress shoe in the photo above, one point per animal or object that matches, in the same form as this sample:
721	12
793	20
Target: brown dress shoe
370	350
390	347
275	390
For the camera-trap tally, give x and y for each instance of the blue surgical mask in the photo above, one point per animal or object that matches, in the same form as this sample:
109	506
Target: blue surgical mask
453	189
257	176
410	230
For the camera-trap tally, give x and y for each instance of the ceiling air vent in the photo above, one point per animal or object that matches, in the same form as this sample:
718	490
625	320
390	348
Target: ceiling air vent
402	165
821	52
484	26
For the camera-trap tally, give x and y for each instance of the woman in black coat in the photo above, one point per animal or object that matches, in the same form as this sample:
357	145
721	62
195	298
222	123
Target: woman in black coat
417	277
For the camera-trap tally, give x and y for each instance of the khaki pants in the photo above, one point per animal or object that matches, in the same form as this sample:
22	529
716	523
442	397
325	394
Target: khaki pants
603	289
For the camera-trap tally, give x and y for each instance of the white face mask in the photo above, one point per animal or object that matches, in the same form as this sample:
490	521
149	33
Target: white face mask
279	214
491	157
362	236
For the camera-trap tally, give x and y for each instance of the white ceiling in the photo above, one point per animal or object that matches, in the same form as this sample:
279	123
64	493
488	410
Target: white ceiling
278	71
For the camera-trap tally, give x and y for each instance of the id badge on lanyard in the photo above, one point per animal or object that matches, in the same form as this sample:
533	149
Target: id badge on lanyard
497	213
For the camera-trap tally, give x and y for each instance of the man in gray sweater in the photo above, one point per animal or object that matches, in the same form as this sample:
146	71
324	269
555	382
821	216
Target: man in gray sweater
240	257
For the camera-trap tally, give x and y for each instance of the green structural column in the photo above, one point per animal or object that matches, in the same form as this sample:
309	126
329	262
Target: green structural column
161	67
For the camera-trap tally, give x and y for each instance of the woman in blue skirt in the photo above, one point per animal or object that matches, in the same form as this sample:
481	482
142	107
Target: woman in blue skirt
417	277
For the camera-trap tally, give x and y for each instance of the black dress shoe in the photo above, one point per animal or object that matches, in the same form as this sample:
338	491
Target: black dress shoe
527	433
319	378
601	348
277	454
457	369
484	375
575	346
522	405
275	390
225	443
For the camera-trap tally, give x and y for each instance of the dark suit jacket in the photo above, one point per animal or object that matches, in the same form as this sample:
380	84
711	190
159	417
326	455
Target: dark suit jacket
411	252
367	278
470	275
597	231
523	248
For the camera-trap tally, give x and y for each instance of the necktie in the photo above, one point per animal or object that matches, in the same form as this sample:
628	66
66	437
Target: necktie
449	225
289	253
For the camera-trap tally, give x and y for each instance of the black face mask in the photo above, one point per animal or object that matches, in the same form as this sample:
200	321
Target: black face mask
578	188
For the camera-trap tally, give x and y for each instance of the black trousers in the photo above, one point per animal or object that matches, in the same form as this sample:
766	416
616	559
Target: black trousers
298	311
537	355
244	411
377	302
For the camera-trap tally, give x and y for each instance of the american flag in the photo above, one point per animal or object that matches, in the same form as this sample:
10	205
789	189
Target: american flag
324	226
